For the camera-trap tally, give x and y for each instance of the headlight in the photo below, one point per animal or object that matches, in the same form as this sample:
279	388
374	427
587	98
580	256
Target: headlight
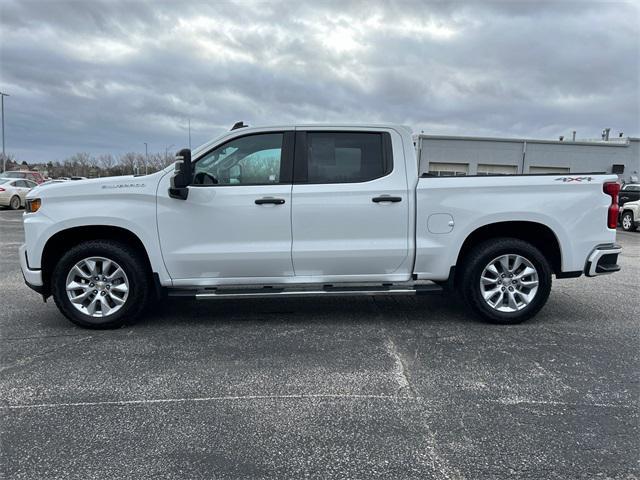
33	205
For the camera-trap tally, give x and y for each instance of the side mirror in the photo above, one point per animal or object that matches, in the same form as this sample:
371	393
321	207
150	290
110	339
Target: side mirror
182	175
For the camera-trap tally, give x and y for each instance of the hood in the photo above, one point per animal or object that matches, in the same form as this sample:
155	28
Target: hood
97	186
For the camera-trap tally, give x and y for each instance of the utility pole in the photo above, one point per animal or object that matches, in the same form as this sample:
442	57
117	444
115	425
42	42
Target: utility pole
4	155
146	157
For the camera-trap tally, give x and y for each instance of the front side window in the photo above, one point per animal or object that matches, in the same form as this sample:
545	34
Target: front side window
250	160
346	157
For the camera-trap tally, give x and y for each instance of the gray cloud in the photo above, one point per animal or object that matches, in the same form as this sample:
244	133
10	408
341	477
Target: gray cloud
108	76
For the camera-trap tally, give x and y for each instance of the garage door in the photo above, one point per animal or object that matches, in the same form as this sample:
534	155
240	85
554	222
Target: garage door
538	170
448	169
488	169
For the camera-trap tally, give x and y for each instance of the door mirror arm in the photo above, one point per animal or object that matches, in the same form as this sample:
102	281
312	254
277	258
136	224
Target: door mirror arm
182	175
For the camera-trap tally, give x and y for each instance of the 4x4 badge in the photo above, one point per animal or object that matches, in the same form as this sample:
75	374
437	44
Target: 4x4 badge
573	179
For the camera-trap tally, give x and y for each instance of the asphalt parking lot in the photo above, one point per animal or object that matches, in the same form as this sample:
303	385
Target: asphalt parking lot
406	387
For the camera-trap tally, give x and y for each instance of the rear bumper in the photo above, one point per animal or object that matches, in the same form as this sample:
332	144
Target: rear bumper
603	260
33	278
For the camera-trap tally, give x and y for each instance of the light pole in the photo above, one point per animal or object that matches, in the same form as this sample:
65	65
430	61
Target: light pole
4	156
166	153
146	157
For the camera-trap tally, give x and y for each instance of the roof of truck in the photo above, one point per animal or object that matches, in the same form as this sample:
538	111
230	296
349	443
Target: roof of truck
258	128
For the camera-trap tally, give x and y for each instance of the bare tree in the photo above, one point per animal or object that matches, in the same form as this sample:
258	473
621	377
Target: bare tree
129	162
87	165
107	162
156	162
80	163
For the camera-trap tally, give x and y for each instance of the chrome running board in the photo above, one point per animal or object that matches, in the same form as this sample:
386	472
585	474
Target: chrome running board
325	291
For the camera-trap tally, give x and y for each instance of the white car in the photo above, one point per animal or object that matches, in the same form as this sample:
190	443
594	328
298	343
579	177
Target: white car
13	192
630	216
308	210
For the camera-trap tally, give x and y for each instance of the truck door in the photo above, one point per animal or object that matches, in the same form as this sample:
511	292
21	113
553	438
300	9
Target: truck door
350	206
236	220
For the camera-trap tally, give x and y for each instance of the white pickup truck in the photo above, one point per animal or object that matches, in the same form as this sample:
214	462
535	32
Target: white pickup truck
312	210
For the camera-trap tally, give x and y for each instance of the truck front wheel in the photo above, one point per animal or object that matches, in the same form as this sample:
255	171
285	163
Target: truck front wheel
100	284
505	280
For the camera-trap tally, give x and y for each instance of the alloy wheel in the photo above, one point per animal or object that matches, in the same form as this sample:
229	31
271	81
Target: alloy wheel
97	286
509	283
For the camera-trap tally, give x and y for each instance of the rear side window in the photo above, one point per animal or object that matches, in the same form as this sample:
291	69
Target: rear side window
342	157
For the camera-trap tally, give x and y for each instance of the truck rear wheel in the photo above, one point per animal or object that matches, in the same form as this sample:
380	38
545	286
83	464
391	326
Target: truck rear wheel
506	280
100	284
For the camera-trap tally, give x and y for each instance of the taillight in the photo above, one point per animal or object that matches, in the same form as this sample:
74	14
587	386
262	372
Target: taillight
2	189
612	189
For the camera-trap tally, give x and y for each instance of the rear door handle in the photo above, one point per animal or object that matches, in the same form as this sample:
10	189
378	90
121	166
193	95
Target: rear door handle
386	198
267	200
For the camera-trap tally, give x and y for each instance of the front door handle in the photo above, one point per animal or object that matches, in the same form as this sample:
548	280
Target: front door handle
267	200
386	198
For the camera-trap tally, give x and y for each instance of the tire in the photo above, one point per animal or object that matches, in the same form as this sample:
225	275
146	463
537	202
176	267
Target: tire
124	293
14	203
521	300
627	222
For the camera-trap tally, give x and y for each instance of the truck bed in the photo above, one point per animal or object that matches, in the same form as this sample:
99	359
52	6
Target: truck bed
448	209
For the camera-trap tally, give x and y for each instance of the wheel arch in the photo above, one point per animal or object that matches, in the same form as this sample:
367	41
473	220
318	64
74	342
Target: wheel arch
65	239
535	233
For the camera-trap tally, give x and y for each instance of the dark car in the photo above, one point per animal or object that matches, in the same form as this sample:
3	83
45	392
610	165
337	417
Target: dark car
629	193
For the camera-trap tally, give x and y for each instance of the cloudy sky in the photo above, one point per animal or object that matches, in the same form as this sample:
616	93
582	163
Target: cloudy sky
107	76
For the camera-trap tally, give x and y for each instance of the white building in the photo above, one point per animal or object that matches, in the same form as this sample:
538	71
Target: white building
447	155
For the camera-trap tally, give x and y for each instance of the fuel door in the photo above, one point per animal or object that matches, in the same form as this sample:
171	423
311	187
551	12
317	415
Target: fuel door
440	223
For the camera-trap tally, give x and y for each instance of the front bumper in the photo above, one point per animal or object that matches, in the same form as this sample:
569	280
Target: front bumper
603	260
33	278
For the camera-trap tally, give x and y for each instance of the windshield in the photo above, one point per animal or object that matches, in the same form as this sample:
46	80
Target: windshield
13	174
4	180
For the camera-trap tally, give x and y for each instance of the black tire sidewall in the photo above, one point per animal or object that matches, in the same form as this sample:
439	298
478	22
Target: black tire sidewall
128	261
480	258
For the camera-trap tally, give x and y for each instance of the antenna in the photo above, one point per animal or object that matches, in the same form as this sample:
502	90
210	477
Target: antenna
238	125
